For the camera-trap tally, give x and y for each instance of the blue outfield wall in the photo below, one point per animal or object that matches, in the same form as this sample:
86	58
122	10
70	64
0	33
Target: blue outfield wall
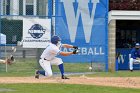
83	23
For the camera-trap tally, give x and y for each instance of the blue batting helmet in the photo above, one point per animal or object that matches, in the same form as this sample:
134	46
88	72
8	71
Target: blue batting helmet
55	39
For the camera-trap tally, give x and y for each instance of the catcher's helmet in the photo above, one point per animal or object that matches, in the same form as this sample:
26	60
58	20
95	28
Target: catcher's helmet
55	39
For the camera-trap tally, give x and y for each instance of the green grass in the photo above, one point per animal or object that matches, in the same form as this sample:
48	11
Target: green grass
20	68
73	67
26	67
63	88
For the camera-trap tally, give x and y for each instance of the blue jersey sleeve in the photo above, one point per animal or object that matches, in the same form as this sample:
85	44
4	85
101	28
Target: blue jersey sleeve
135	53
132	54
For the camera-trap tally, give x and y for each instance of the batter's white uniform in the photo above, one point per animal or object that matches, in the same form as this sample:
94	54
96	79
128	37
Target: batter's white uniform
49	58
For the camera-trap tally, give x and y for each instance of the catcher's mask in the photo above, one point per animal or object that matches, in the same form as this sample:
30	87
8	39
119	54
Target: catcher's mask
55	39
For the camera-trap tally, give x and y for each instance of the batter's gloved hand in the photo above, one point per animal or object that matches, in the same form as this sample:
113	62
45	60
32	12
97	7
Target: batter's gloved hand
75	51
75	47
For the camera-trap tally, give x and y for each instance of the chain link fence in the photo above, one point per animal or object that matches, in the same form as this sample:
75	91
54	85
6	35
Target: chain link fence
11	25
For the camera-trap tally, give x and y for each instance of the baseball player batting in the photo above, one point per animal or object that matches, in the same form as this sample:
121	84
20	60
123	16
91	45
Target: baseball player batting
49	58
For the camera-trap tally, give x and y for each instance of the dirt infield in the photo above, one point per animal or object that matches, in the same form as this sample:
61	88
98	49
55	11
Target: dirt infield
127	82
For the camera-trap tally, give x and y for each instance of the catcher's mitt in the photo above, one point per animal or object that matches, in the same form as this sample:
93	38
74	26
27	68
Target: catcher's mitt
10	60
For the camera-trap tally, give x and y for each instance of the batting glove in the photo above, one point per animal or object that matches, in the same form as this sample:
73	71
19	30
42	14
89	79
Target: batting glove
75	47
75	51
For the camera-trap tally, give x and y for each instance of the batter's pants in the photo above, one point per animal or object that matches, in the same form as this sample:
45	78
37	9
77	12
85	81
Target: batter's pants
46	65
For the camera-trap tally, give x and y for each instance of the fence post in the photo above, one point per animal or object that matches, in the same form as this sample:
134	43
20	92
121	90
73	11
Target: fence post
24	53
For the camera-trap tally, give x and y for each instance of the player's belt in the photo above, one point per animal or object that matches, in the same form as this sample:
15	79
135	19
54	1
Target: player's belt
44	59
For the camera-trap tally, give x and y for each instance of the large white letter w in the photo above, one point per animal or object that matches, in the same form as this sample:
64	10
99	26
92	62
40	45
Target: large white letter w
72	21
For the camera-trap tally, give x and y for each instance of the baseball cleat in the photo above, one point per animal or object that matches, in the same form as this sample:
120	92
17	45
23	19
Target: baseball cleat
64	77
37	74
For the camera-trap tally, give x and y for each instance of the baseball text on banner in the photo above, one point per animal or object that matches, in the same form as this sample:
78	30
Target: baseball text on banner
84	23
36	33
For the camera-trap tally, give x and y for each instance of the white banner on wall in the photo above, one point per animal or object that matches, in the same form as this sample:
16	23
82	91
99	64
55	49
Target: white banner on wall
36	33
